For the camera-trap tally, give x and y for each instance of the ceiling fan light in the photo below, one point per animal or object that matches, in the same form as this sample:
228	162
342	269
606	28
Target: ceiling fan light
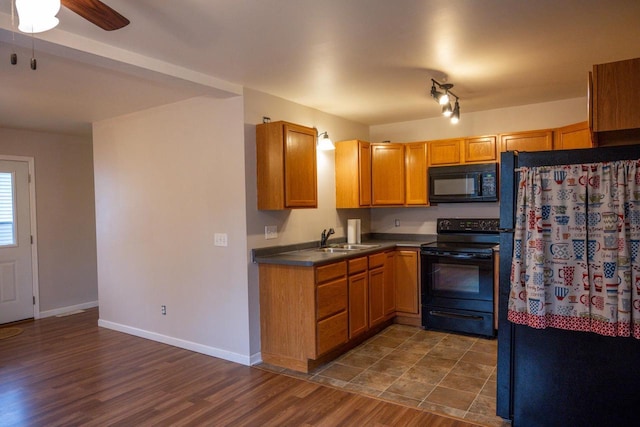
37	16
325	143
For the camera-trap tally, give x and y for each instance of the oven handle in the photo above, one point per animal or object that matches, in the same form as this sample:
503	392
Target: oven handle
455	315
457	256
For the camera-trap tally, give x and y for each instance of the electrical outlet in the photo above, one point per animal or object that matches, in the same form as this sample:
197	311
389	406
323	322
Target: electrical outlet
397	222
220	239
163	310
270	231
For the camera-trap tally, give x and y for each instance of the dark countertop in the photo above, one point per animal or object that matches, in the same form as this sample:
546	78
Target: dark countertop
307	254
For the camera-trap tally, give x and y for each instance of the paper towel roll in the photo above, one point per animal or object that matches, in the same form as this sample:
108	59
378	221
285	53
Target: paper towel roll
353	231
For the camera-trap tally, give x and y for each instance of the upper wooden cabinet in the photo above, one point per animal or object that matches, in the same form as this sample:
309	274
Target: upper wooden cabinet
286	166
476	149
415	155
387	174
537	140
573	136
445	152
353	174
480	149
614	101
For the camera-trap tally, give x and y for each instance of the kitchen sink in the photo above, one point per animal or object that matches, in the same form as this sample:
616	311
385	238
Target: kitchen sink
333	250
354	247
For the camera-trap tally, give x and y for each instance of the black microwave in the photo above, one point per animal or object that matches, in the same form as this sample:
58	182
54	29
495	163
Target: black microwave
463	183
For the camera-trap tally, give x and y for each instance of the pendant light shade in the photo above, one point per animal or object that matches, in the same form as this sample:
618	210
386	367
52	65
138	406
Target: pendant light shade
324	142
37	16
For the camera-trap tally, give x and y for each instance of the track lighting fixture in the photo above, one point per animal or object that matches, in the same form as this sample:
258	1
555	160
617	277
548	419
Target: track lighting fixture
442	94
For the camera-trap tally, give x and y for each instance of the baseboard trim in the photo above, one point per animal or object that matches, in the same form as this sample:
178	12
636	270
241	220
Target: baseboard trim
256	358
63	310
177	342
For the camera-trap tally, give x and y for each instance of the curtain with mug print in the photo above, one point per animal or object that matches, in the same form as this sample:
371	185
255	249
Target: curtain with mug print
575	260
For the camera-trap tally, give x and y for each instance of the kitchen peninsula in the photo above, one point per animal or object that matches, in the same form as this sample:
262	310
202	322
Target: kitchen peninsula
316	303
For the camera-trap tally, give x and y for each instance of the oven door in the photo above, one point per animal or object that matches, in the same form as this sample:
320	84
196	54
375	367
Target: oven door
458	280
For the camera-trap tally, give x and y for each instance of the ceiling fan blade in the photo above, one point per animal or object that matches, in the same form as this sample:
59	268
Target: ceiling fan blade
97	13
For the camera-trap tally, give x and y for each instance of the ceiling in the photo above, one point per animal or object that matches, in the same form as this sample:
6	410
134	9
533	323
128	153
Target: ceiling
370	61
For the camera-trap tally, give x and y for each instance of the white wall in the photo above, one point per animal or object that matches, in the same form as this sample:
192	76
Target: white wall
526	117
166	180
65	215
296	225
512	119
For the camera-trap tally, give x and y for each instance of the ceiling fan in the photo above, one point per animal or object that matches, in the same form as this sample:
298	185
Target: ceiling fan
39	15
97	13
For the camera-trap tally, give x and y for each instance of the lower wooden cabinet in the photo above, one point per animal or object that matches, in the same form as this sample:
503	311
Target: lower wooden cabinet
389	285
376	288
303	312
358	296
313	313
406	278
331	332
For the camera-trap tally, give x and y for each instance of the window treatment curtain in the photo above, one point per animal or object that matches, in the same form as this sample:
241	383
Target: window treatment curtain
575	259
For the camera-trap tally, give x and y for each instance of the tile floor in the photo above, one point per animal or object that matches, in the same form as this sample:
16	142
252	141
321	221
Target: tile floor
436	371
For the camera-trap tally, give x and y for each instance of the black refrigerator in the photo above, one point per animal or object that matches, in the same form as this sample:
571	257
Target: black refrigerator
555	377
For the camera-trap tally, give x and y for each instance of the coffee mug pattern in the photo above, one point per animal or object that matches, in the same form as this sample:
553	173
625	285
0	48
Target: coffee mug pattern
580	250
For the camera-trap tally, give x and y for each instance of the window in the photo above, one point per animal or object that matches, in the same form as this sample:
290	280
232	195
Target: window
7	210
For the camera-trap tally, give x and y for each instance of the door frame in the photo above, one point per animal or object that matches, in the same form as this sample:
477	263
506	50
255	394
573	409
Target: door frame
34	228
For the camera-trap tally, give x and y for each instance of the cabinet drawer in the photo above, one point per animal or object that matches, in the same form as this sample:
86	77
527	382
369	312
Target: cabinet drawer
332	298
357	265
332	332
377	260
331	271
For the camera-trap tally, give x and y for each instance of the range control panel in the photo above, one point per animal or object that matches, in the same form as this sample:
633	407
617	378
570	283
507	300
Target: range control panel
468	225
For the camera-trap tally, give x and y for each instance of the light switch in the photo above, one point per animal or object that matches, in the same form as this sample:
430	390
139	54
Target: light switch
220	239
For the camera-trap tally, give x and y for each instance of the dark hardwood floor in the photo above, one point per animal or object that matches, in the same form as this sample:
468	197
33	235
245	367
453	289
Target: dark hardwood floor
68	371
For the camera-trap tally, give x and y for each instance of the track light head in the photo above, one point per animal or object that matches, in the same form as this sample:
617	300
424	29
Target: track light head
446	110
455	116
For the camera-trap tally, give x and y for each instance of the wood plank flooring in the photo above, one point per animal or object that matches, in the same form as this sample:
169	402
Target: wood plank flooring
67	371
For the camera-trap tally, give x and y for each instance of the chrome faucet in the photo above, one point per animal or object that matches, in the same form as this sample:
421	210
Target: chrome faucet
325	236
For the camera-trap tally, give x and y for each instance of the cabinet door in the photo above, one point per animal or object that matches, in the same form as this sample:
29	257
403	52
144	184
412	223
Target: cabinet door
353	174
445	152
573	136
480	149
387	174
331	333
416	164
357	304
364	172
331	298
616	86
376	296
406	277
538	140
300	167
389	285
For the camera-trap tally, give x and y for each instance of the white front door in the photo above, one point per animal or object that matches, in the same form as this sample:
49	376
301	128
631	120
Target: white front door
16	268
